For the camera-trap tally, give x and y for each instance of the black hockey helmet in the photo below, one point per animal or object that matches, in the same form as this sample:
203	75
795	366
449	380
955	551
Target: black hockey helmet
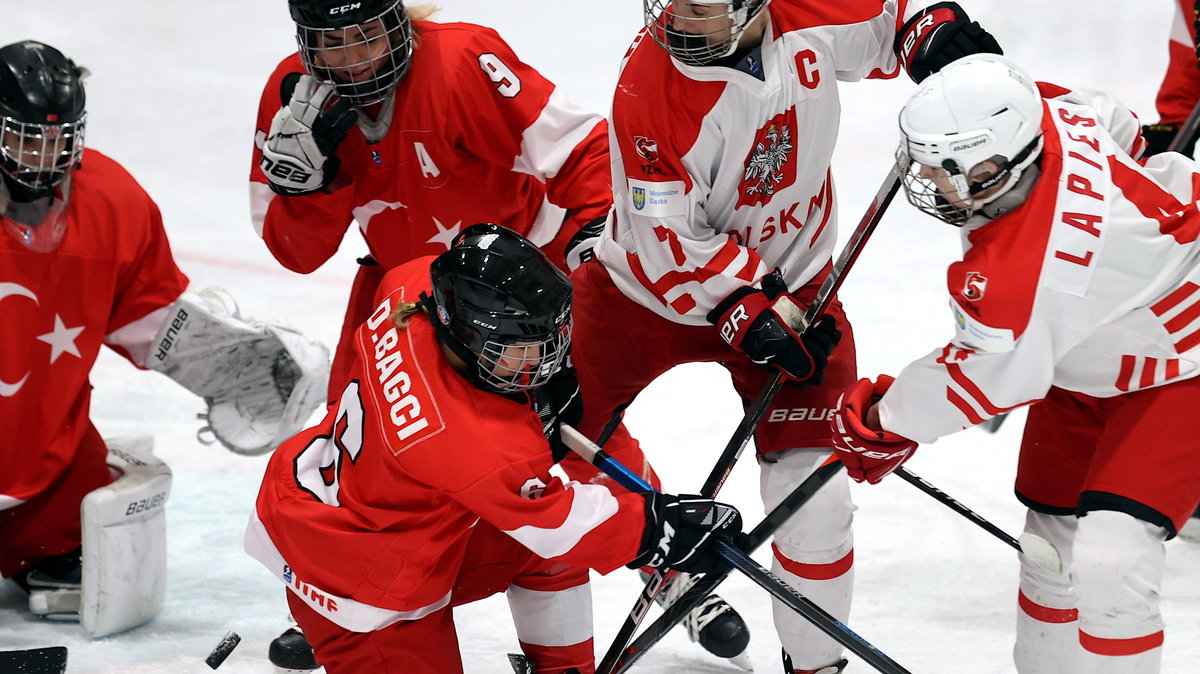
42	119
362	47
499	302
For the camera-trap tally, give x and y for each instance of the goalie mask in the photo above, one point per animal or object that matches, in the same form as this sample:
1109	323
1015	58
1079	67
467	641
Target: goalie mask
41	140
362	48
967	135
700	31
500	304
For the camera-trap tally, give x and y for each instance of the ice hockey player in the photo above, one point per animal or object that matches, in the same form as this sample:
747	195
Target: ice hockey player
428	485
85	262
1079	289
723	125
484	138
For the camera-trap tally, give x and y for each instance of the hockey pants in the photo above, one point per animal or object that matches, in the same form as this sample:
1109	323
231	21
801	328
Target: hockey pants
550	602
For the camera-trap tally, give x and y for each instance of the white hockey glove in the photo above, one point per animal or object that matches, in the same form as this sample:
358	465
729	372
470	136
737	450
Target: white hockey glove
260	381
299	155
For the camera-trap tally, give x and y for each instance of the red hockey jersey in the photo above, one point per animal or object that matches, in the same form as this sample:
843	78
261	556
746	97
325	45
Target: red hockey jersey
475	135
366	516
108	282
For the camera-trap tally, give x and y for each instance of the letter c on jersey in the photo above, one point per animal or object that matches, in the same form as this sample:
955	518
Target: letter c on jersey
8	390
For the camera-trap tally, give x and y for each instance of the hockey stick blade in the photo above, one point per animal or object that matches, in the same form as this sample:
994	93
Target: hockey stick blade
52	660
1036	549
742	562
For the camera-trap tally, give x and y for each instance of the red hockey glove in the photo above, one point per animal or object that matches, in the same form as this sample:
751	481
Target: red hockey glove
868	455
749	321
939	34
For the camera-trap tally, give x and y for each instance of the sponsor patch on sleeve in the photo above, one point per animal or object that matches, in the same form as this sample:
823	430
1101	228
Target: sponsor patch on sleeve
969	333
657	200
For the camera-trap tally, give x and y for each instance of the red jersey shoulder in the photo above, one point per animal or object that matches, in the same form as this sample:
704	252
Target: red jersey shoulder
109	209
657	113
449	52
790	15
272	97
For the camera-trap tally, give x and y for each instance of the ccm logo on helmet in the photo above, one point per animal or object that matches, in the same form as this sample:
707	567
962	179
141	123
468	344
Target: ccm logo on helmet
345	8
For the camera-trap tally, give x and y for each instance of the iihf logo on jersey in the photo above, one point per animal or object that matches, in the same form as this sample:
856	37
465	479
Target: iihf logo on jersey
287	573
769	165
974	286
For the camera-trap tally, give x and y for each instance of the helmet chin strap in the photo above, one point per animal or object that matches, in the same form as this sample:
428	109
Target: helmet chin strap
1013	197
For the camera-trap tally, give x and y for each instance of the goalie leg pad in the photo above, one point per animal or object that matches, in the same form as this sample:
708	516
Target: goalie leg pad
125	541
260	381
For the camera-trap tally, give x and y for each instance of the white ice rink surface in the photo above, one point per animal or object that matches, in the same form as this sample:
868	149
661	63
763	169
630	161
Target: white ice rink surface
173	96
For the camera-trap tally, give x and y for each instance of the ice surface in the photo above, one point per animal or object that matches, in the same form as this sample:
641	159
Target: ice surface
173	96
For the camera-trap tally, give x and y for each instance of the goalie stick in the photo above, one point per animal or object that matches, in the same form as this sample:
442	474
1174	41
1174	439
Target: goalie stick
754	414
739	560
52	660
1035	548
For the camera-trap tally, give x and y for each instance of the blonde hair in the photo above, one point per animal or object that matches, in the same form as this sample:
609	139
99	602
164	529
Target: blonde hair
403	312
421	11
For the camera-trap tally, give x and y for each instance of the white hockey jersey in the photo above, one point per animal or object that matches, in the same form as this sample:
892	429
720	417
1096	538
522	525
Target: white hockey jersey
720	176
1092	285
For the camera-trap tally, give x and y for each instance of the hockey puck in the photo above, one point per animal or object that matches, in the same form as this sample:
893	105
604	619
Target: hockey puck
223	649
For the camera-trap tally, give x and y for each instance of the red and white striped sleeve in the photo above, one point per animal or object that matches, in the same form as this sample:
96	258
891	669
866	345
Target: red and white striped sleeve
1180	87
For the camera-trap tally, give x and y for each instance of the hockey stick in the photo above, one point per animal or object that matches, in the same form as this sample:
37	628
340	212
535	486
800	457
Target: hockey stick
52	660
705	584
754	414
741	561
992	425
825	295
1187	131
1035	548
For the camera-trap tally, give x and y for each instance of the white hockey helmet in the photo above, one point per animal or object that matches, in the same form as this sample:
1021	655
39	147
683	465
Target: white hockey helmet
709	30
967	134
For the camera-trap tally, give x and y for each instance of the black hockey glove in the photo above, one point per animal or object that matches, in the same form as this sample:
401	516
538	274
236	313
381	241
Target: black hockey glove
1160	136
582	246
749	320
679	532
558	402
939	34
299	154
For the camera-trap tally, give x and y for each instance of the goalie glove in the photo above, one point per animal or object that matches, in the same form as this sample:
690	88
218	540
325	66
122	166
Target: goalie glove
751	320
260	381
679	532
939	34
299	155
867	454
